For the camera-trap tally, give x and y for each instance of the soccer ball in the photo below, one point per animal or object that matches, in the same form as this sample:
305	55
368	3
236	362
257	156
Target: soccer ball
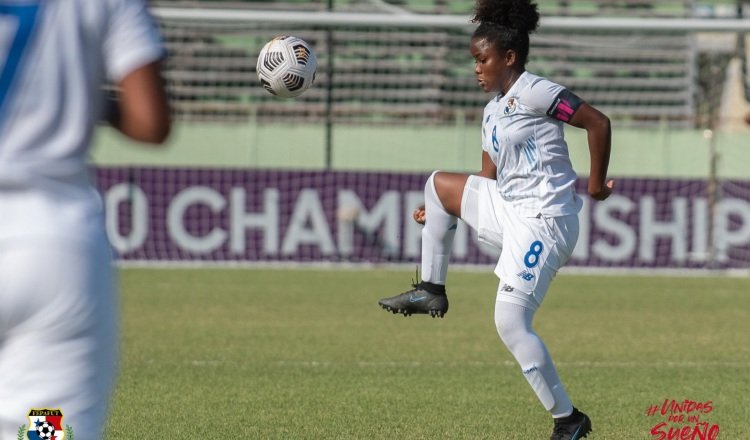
286	66
45	430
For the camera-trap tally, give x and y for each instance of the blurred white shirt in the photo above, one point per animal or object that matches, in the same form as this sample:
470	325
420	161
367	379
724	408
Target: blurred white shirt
51	100
55	56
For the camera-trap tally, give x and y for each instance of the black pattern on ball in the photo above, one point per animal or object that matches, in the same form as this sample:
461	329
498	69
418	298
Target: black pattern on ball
293	82
267	86
302	54
273	60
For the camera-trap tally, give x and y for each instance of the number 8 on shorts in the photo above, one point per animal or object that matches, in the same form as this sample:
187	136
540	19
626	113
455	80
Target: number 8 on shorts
531	259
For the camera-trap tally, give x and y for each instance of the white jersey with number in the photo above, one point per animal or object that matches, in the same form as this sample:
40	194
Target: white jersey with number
534	172
55	56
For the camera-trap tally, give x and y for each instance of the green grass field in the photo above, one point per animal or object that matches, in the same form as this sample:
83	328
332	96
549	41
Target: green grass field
308	354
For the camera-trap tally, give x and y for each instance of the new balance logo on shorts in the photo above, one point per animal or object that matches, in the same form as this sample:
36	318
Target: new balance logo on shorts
526	275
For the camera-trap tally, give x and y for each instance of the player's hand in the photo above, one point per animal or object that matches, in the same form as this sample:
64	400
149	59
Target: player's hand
418	215
604	192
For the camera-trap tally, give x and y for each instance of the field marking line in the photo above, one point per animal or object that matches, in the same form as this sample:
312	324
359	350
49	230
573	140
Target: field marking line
578	364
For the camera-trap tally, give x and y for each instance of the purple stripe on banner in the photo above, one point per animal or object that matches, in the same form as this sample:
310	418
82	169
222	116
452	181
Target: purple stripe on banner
267	215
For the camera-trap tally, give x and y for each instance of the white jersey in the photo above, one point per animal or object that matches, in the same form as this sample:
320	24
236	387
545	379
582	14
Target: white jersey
534	172
44	132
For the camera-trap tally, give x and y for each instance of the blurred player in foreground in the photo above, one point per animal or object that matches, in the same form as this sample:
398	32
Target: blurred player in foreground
523	200
58	313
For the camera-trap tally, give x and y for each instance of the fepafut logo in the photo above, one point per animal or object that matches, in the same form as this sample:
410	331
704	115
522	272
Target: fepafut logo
45	424
682	420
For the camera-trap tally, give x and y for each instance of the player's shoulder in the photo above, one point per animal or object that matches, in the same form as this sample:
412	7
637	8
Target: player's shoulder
116	3
534	84
102	10
99	4
114	7
537	93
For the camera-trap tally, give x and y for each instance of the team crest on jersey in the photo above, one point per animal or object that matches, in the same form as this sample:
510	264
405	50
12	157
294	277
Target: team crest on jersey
46	424
510	106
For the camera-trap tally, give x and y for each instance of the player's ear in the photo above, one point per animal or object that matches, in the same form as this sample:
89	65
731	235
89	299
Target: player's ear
510	57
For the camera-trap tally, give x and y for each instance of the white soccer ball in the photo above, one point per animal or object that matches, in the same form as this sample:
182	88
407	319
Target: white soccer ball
286	66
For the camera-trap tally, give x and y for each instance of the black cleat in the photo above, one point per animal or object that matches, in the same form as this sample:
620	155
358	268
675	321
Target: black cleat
417	300
574	427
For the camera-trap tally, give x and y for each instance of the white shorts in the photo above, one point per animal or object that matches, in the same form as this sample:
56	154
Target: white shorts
58	317
532	249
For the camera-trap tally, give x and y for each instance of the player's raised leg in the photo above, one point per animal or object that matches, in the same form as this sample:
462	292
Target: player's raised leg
443	193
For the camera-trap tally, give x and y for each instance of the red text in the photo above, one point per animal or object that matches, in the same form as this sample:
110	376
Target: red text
700	431
686	406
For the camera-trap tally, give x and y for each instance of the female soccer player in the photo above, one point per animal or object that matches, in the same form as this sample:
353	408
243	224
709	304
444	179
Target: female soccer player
522	201
58	320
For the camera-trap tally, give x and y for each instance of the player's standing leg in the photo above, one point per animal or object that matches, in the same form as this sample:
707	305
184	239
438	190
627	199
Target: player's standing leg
514	327
518	299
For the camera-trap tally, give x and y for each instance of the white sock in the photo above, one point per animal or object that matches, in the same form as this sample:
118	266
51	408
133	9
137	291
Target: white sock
514	327
437	236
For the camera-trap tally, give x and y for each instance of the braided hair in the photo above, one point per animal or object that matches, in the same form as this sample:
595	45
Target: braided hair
506	24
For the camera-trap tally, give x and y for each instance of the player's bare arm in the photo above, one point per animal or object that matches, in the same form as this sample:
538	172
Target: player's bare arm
599	131
143	105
